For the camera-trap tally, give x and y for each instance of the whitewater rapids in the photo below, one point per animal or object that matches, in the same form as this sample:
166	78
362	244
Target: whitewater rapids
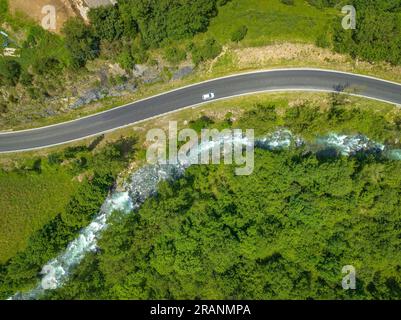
143	184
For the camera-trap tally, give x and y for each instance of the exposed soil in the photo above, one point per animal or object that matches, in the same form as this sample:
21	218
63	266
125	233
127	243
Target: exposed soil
297	54
33	9
286	51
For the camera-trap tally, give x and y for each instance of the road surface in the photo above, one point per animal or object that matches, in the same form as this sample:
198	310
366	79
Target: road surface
242	84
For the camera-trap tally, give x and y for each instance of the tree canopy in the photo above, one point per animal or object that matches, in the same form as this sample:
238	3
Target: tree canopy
377	36
285	232
81	42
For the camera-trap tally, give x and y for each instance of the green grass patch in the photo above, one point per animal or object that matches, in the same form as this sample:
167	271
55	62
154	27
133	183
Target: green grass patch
41	44
28	201
269	21
34	42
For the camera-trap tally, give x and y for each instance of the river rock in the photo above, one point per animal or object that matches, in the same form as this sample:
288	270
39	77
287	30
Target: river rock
183	72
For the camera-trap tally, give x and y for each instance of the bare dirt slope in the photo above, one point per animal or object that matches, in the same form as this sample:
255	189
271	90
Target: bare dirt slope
64	8
33	9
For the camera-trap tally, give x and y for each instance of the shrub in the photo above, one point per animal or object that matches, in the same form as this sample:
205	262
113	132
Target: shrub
10	72
35	93
26	78
222	2
3	108
201	123
47	66
81	42
288	2
34	36
239	34
322	41
320	4
169	20
126	60
139	53
3	9
174	55
209	50
107	22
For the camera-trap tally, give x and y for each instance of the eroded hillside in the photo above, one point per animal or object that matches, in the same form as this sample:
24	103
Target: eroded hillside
64	8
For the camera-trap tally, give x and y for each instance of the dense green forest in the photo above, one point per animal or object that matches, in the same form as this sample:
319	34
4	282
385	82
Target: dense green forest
377	36
285	232
138	26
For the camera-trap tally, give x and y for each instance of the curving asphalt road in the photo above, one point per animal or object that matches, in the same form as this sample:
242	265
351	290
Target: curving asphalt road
273	80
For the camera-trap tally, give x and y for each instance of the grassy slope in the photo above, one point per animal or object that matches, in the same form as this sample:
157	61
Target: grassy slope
19	25
270	20
27	202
